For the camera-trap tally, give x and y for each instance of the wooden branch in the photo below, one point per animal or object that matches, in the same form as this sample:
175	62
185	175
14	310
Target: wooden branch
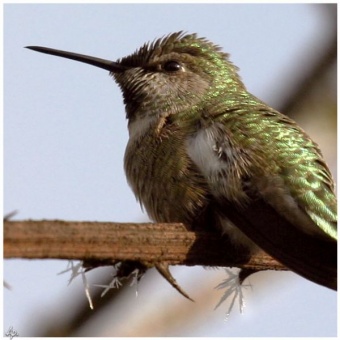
108	243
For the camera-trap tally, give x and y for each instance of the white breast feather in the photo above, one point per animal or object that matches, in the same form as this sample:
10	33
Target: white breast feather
202	150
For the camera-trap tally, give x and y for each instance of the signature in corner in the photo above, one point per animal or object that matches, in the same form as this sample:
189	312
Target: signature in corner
11	333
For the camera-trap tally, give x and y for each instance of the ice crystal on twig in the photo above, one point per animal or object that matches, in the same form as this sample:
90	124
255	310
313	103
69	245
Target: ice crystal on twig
233	288
136	276
114	284
87	288
77	270
122	271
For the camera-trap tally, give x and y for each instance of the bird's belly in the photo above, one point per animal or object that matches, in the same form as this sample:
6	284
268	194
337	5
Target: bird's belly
164	179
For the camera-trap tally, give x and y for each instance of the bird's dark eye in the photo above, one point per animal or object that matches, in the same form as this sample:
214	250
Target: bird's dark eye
172	66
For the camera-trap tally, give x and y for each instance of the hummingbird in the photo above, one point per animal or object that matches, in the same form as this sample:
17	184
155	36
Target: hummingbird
205	152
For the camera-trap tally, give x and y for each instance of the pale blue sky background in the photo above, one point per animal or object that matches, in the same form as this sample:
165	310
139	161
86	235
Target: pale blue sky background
65	135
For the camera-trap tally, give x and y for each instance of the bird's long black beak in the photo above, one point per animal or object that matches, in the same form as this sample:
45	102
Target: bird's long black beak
109	65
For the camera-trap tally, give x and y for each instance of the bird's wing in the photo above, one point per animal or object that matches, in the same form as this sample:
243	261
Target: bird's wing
270	181
312	257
